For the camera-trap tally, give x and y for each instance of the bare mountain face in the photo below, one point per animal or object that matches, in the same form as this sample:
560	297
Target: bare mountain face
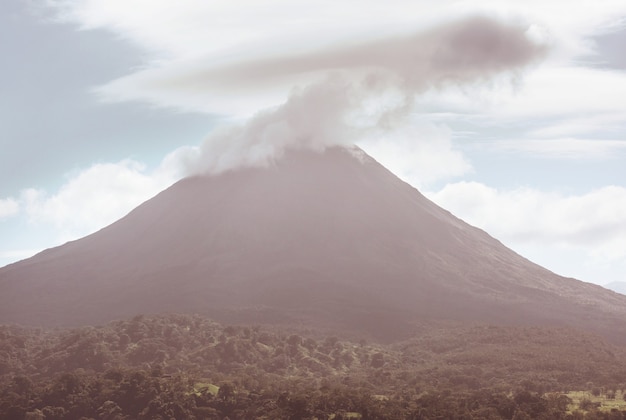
329	239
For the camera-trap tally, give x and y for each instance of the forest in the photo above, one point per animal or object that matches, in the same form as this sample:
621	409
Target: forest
191	367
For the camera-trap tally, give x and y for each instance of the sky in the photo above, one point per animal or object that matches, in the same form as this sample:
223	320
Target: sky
509	114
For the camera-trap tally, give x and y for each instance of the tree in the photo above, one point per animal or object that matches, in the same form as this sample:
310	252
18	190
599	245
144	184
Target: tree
378	360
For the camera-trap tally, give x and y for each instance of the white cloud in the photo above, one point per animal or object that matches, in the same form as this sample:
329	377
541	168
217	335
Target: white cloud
455	53
557	113
8	207
88	201
556	91
551	94
197	37
193	27
566	148
594	222
419	153
187	27
604	123
94	197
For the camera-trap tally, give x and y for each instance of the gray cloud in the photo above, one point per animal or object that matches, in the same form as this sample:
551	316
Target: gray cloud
461	51
350	91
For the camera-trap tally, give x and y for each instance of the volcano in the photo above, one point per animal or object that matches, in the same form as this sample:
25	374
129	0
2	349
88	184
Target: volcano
321	239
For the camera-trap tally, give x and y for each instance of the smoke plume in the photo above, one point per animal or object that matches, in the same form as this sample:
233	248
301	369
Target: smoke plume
352	92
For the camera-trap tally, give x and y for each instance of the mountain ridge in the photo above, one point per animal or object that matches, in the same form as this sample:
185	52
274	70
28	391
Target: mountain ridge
616	286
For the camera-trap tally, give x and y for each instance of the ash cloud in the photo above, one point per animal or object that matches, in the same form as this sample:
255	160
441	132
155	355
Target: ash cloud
350	92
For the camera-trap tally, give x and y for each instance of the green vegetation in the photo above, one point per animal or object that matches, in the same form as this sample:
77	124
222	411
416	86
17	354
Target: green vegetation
201	387
595	399
189	367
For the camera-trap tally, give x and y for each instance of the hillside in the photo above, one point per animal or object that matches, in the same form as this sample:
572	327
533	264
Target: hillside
192	367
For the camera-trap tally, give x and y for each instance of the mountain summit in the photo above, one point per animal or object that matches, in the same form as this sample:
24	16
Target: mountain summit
318	238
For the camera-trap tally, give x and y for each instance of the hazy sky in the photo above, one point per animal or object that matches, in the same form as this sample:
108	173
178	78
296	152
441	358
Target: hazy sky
509	114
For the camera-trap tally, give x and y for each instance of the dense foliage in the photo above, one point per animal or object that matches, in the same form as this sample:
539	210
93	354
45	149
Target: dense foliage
189	367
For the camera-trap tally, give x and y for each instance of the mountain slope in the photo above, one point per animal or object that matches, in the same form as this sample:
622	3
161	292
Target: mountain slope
617	286
330	239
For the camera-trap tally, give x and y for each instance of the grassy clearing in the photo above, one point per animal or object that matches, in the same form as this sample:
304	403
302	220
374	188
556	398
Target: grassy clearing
348	415
602	402
200	387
